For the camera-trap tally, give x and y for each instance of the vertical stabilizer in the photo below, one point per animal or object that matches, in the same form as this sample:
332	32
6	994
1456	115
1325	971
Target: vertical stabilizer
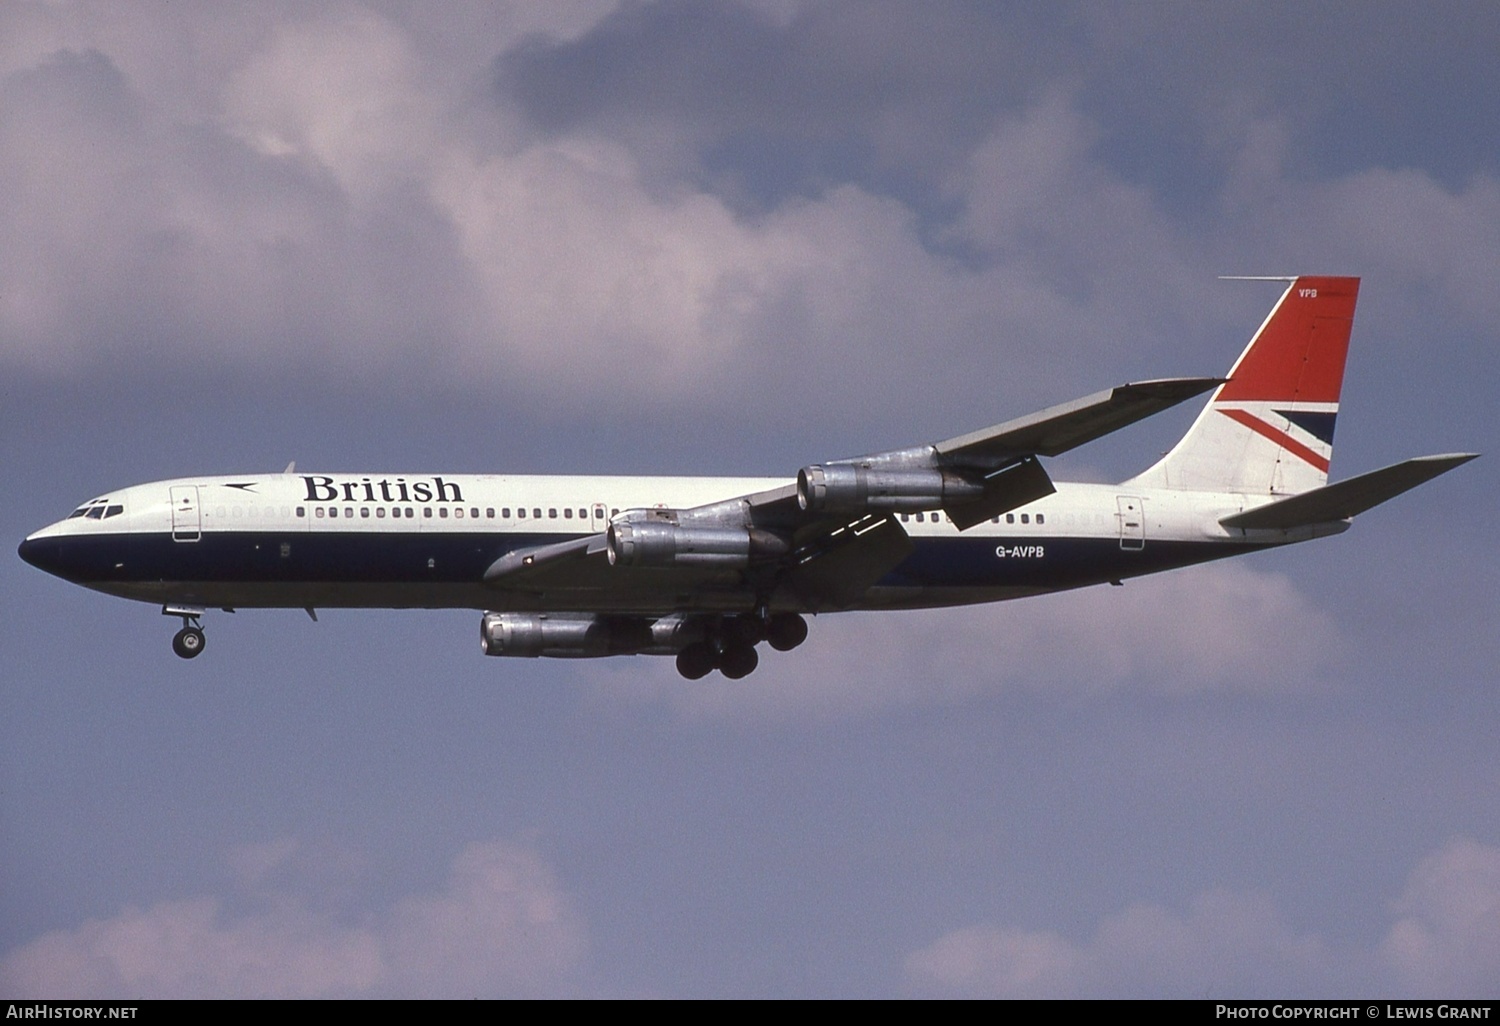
1268	430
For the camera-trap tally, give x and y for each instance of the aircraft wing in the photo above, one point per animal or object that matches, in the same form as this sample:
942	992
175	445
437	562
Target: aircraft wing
1059	428
835	530
521	565
582	565
1347	498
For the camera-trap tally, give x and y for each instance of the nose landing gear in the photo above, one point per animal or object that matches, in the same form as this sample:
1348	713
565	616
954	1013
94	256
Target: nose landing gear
188	642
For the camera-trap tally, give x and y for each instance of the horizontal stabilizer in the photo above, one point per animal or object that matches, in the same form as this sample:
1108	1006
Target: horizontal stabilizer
1347	498
1059	428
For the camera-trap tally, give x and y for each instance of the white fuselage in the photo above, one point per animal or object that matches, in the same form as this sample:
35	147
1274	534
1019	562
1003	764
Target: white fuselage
404	540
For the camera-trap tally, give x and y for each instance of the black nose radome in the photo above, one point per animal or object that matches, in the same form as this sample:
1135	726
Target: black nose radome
39	552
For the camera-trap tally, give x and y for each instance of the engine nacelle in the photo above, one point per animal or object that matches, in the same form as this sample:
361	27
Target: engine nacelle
841	488
666	544
562	636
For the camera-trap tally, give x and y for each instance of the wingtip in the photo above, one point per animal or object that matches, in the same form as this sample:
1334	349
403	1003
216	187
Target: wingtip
1177	388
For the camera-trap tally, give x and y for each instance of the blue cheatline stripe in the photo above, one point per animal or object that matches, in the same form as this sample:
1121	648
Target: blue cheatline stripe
427	561
1319	425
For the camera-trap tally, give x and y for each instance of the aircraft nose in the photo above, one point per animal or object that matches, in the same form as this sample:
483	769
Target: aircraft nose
40	552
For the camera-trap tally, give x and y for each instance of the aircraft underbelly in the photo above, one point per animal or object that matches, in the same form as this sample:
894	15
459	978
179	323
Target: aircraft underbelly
426	571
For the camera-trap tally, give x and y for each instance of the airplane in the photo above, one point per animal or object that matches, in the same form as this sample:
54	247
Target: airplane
705	569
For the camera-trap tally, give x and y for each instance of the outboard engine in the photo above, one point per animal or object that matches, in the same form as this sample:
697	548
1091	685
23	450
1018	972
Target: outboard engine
562	635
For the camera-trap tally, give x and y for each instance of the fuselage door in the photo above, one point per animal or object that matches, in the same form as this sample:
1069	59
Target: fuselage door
187	518
1132	523
598	517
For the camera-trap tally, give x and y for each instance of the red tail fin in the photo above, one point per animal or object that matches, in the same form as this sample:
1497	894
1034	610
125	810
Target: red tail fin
1269	428
1298	354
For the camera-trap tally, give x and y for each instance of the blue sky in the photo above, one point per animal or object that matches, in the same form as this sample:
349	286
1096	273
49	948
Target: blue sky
739	237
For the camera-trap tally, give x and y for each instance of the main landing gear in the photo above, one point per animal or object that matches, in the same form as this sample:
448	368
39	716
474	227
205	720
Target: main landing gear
733	659
731	648
189	641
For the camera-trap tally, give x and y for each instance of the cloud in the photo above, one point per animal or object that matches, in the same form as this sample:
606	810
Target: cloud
1203	630
499	926
1233	944
1447	940
344	195
1224	944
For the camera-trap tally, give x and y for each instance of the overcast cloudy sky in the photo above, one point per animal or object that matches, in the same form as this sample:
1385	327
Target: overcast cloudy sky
684	237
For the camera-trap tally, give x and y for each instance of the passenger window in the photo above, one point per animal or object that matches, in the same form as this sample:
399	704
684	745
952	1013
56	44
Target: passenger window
489	514
301	511
567	514
474	513
459	513
552	514
319	511
505	512
521	513
333	511
583	514
1041	518
380	513
364	511
536	512
1010	518
349	512
1025	518
427	512
443	512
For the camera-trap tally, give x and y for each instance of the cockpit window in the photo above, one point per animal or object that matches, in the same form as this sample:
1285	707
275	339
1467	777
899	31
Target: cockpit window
94	509
113	511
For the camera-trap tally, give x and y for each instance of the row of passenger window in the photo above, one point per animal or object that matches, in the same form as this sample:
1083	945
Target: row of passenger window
474	513
458	512
1010	518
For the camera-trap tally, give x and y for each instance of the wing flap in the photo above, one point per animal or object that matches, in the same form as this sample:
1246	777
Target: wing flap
1008	488
1347	498
839	567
